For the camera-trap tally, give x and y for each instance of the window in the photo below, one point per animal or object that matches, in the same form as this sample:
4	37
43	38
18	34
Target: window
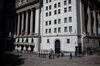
59	11
50	7
55	21
59	21
46	7
49	30
69	8
49	13
49	0
48	41
55	30
55	12
65	2
65	20
46	1
70	19
55	5
46	14
49	22
69	1
59	29
46	30
59	4
70	28
65	10
46	23
68	40
65	29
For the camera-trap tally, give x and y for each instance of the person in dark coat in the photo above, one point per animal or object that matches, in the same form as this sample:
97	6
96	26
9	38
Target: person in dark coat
70	55
50	53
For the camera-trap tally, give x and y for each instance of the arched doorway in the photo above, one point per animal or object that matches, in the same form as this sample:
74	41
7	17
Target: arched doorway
57	46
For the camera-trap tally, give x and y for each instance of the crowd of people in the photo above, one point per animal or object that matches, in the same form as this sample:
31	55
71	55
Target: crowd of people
51	54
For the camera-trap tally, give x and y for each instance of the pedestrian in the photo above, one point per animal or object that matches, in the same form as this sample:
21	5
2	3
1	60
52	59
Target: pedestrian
50	53
58	55
70	55
62	54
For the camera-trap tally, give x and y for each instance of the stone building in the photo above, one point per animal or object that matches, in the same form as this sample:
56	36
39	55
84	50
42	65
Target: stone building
27	30
63	25
70	25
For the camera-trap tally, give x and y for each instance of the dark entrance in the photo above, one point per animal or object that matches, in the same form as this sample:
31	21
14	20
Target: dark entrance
57	46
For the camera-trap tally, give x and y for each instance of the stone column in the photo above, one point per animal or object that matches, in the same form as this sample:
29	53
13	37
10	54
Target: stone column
18	24
16	48
29	48
94	24
26	27
98	23
24	49
19	49
82	19
31	22
89	20
98	18
22	23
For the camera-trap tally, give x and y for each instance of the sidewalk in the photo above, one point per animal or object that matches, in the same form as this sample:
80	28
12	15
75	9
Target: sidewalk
32	60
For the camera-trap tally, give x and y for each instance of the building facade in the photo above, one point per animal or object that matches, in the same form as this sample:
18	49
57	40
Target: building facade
70	25
63	25
27	29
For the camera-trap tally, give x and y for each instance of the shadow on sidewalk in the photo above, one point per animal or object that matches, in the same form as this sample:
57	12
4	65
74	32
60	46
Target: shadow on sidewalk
8	59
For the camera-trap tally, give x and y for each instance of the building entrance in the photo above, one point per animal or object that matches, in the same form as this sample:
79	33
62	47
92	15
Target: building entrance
57	46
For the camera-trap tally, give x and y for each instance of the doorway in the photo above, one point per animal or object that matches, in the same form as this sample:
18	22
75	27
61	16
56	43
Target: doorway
57	46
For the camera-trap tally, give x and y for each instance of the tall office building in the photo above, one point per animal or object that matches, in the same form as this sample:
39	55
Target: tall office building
70	25
63	25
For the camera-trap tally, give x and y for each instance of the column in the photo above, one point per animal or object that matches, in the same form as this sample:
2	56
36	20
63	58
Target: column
22	23
82	24
24	49
89	20
31	22
98	23
19	48
16	48
94	24
29	48
26	27
98	18
18	24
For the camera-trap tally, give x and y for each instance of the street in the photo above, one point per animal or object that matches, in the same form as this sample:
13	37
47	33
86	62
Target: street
32	60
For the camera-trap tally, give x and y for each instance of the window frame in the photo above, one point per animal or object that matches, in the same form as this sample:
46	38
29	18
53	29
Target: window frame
59	4
70	28
70	9
69	1
68	41
46	31
59	29
55	30
65	29
65	20
59	11
65	9
70	19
